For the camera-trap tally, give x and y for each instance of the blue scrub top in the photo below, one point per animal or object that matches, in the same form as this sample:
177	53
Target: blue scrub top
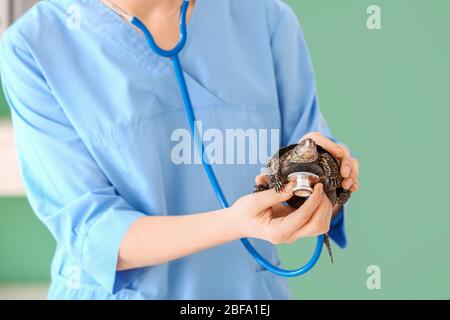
94	111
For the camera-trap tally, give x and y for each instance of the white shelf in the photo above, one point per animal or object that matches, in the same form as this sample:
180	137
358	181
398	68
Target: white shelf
23	292
10	181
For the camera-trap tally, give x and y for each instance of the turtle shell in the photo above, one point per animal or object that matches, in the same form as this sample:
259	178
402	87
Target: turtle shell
326	167
314	159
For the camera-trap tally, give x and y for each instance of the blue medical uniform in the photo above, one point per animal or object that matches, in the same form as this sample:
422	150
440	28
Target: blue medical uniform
94	112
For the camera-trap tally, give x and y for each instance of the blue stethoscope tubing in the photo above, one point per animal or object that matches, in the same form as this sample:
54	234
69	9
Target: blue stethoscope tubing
173	55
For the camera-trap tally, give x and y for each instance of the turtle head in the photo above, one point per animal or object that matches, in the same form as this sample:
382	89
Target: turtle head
305	152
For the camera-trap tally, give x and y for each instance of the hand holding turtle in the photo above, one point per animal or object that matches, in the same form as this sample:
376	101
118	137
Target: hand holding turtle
313	159
263	216
349	165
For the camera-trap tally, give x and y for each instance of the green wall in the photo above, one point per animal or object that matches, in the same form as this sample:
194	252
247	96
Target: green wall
4	111
385	93
26	246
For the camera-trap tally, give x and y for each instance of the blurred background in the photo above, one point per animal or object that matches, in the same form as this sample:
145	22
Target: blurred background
383	76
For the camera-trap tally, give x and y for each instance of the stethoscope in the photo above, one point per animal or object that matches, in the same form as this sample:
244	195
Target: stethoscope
173	55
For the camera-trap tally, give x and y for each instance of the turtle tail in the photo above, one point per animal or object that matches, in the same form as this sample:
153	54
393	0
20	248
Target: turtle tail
327	243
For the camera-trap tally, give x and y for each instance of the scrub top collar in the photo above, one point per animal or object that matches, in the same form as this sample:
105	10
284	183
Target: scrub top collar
127	36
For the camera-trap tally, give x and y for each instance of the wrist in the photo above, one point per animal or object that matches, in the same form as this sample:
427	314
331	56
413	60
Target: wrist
233	224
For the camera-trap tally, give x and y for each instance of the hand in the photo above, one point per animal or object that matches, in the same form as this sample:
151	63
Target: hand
349	165
261	215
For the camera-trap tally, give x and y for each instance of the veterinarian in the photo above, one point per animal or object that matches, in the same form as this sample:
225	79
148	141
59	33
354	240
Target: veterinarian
94	112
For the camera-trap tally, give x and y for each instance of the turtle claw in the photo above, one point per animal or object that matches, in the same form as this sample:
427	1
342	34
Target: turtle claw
260	187
331	183
278	186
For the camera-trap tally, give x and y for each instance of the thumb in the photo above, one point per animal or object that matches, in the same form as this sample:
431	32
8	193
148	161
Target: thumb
269	198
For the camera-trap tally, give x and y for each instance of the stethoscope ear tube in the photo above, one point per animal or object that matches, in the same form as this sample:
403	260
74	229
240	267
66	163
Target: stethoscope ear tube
173	55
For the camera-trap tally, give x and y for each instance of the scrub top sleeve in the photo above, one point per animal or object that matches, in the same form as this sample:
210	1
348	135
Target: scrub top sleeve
297	96
65	187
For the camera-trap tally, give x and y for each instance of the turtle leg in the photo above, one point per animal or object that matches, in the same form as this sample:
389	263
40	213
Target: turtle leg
260	187
332	182
343	196
276	181
327	243
278	186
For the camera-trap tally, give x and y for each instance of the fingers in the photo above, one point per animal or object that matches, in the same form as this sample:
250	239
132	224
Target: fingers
261	179
318	224
280	229
349	170
351	182
355	176
278	210
346	166
338	151
303	214
266	199
349	166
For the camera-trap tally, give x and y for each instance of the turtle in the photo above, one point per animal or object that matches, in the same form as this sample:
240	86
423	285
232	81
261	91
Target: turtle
306	156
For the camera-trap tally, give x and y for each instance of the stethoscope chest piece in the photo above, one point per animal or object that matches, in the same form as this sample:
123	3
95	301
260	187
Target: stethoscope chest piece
304	183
